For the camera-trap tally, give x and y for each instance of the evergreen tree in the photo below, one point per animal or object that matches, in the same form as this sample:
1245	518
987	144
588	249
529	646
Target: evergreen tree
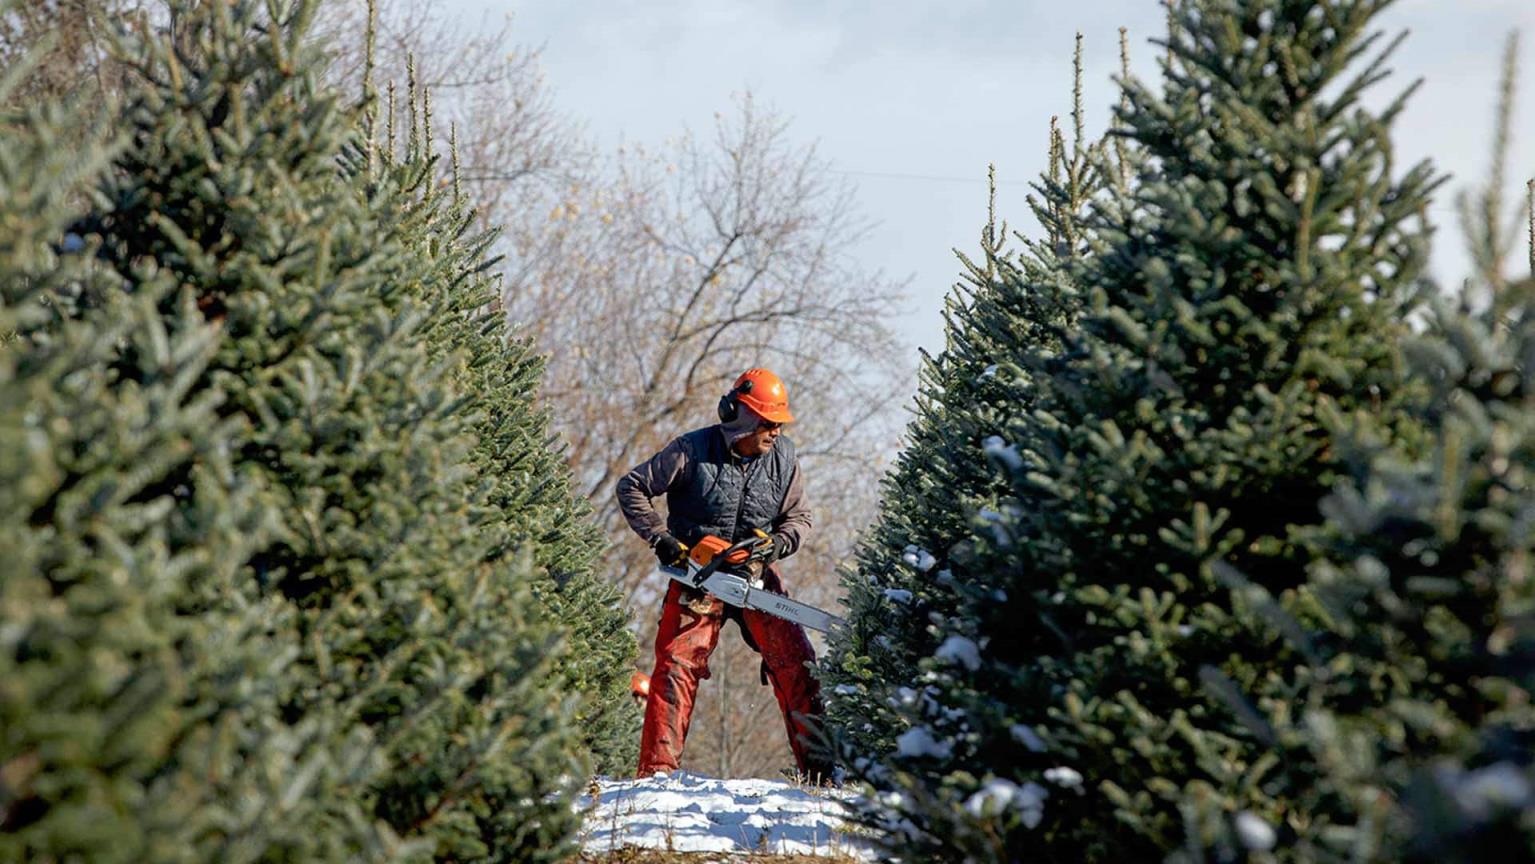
1412	723
406	630
1013	314
1409	726
1084	702
136	718
530	502
1007	304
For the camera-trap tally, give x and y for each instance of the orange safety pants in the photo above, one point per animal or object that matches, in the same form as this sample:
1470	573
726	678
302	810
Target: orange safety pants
687	636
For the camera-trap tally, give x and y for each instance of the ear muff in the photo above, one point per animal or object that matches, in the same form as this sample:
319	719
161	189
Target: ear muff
730	405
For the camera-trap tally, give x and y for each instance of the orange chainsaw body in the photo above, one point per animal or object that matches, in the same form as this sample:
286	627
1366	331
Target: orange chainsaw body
704	551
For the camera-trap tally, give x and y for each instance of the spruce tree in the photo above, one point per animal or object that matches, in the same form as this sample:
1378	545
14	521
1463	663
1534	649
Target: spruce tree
1012	314
530	504
1408	728
137	721
1008	305
1085	700
405	631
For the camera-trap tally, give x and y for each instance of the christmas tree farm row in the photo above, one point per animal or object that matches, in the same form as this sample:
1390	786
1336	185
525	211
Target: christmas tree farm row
1212	541
293	571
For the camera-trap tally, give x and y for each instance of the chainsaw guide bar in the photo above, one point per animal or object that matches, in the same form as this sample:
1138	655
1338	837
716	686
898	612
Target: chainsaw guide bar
737	591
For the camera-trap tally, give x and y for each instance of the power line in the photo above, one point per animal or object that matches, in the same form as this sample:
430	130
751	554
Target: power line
892	175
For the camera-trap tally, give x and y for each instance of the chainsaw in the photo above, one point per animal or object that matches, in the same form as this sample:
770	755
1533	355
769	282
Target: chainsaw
706	570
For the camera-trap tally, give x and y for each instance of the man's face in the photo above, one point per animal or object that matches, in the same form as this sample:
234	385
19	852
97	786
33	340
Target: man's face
760	440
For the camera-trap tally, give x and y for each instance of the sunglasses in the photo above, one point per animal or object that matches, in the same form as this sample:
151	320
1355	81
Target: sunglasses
768	425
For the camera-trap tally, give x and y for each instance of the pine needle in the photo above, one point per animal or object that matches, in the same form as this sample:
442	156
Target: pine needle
389	131
412	139
370	98
458	188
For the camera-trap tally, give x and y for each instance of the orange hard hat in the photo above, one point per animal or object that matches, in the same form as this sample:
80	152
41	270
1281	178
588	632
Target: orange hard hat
762	392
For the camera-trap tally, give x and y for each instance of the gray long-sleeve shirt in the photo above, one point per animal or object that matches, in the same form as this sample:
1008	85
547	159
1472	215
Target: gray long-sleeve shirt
655	476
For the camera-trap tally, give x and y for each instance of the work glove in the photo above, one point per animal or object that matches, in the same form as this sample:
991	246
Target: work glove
773	547
780	547
670	551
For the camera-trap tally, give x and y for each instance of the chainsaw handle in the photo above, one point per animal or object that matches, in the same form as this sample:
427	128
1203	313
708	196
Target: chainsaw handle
707	570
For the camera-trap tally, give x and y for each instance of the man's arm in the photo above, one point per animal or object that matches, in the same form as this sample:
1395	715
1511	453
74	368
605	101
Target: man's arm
793	522
647	480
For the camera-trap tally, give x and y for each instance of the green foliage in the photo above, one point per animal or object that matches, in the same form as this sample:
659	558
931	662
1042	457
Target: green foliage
333	634
139	700
529	502
1415	712
1409	724
1263	270
1080	690
1014	313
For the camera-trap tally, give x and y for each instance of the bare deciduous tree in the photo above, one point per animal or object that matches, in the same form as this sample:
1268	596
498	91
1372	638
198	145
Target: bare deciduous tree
513	145
653	293
66	43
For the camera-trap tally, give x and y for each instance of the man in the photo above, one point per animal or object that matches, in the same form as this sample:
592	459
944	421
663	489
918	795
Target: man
724	480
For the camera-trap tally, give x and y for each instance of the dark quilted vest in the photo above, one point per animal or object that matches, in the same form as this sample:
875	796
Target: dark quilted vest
722	495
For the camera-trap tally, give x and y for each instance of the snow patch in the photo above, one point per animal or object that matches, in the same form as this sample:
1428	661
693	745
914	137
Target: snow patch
1003	452
1028	738
998	795
1255	833
898	595
1497	786
959	649
919	558
692	813
919	741
991	799
1066	778
1032	796
997	522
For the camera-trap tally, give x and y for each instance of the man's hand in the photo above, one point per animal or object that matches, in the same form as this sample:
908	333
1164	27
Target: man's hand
772	547
670	551
780	547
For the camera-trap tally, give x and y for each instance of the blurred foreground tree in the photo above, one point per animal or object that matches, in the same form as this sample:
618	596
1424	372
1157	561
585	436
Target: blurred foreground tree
1069	689
405	632
1413	717
143	674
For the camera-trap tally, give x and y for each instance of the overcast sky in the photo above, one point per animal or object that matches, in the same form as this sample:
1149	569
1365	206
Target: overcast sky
912	98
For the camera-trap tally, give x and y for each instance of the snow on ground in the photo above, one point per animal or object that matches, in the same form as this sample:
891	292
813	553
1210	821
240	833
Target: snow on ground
686	812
